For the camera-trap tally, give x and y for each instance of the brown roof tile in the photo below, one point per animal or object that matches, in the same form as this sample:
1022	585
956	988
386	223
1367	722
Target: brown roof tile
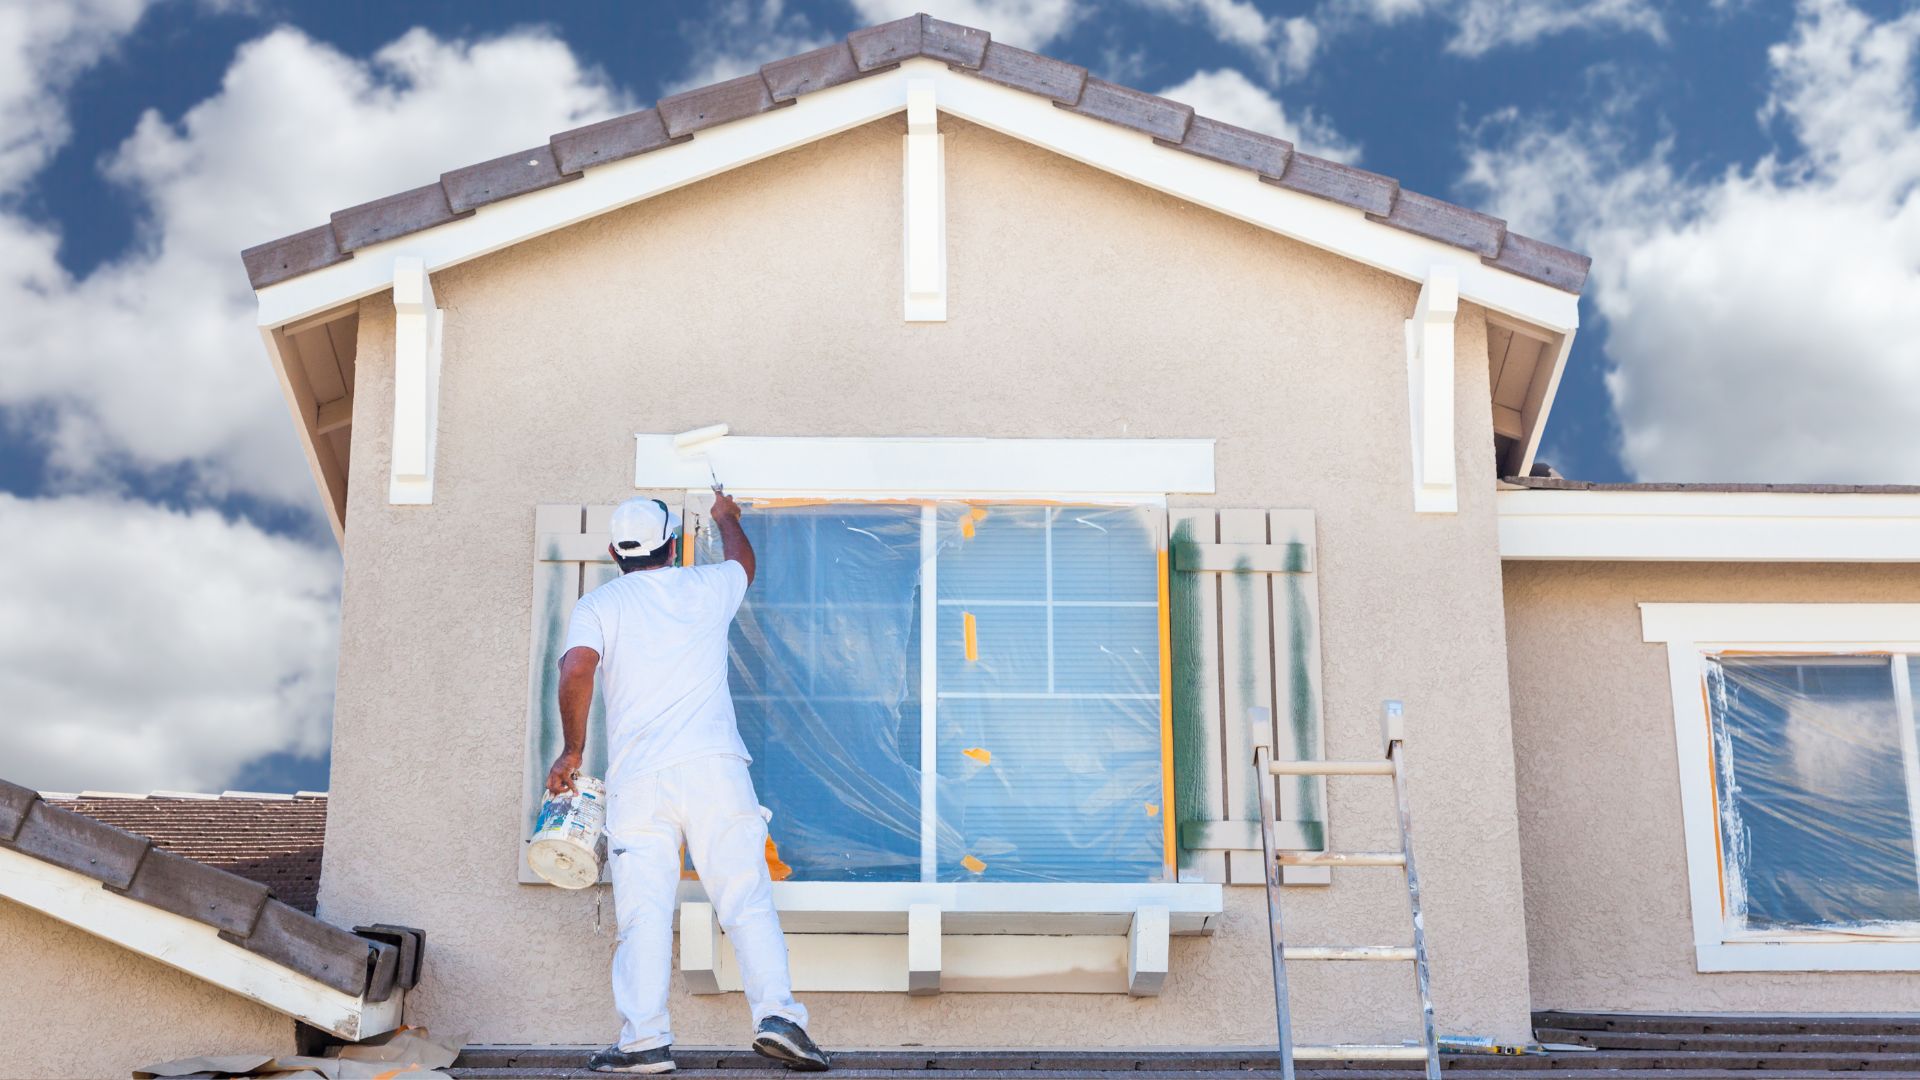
735	99
503	178
1164	120
830	66
878	48
611	140
396	215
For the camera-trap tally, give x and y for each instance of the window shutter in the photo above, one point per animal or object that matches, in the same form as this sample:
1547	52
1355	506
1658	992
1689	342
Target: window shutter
1246	632
569	559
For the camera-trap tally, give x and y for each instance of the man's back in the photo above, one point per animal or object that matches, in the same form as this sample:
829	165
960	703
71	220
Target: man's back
662	640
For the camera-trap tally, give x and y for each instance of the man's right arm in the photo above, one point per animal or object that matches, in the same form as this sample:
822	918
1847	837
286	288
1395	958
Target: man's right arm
733	539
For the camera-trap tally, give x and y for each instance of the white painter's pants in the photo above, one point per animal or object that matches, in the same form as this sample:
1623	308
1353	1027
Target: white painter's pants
709	801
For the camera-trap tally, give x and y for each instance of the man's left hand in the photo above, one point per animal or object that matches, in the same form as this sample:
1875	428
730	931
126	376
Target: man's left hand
560	777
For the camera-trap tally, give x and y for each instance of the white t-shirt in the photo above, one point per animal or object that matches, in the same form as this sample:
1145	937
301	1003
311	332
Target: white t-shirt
662	640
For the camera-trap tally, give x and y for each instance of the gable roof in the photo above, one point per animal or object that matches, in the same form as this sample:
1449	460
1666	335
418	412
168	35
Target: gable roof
677	119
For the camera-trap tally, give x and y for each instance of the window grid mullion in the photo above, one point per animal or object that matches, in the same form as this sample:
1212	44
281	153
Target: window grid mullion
1049	534
1909	745
929	692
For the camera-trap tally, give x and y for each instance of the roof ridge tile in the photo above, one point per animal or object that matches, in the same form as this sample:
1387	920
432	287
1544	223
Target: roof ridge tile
1164	119
722	102
1030	71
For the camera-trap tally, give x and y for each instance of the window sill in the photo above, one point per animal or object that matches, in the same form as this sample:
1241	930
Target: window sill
1808	956
863	907
919	938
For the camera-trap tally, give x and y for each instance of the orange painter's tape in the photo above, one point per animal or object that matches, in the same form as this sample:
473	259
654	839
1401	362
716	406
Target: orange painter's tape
979	754
972	864
970	630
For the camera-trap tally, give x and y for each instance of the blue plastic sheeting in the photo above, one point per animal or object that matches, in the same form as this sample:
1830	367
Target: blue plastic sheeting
1810	774
1047	751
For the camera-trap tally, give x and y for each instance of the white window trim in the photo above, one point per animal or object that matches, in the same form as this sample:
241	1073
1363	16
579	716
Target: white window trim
925	467
1711	526
1690	632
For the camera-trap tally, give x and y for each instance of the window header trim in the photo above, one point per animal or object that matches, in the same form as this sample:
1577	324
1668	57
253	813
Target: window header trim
1130	470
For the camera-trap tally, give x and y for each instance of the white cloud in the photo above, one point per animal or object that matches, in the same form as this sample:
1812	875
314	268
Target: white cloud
1028	24
43	47
1284	46
151	360
1226	94
1760	323
739	36
1480	26
145	648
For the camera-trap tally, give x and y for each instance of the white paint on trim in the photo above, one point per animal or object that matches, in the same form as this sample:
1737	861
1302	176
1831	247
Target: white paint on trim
1691	632
303	426
1016	113
986	908
416	383
923	949
878	963
189	946
699	947
1711	526
1750	626
924	207
1147	949
974	467
1430	392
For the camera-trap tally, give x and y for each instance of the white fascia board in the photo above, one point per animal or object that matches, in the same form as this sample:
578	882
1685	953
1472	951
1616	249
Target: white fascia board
874	467
304	427
1123	152
189	946
1546	406
1838	627
1709	526
978	907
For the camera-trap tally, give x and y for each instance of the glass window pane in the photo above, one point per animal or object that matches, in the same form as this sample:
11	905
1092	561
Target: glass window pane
1049	737
1810	777
825	676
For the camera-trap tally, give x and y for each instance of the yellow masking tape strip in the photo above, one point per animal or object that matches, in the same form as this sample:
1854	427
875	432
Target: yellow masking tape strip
973	864
972	634
1166	720
984	757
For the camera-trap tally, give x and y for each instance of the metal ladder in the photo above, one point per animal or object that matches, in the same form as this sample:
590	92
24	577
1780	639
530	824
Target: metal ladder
1394	764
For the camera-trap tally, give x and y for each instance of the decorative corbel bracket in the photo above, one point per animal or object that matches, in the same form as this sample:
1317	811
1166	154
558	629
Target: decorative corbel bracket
925	208
416	382
1430	392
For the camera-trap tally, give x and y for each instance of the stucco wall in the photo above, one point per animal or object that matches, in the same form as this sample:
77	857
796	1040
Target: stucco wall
770	298
1608	923
72	1005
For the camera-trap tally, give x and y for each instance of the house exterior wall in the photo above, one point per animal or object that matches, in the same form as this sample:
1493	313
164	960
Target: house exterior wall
93	1009
1608	917
1080	306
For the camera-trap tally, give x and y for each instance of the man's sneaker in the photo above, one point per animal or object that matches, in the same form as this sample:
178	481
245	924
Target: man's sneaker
786	1042
657	1059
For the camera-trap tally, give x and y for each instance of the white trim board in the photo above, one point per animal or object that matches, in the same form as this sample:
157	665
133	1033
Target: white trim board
1123	152
876	466
1708	526
987	908
1690	632
189	946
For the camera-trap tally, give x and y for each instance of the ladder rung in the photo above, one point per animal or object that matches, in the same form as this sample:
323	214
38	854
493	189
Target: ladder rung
1383	767
1361	1052
1341	858
1350	952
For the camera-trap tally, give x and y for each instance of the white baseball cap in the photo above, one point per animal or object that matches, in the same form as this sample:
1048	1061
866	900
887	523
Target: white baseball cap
641	526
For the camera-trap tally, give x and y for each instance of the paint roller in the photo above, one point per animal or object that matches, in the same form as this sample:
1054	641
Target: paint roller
700	441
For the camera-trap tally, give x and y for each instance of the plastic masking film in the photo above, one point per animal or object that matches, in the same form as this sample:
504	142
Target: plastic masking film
1045	760
1810	775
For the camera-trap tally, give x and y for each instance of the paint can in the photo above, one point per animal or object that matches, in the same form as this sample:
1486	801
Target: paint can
569	839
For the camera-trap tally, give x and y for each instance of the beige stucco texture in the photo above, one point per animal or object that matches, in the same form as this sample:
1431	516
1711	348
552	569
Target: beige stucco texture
91	1009
1608	923
1080	306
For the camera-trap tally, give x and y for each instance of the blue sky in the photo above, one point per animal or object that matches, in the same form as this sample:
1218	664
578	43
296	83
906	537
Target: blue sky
1743	171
